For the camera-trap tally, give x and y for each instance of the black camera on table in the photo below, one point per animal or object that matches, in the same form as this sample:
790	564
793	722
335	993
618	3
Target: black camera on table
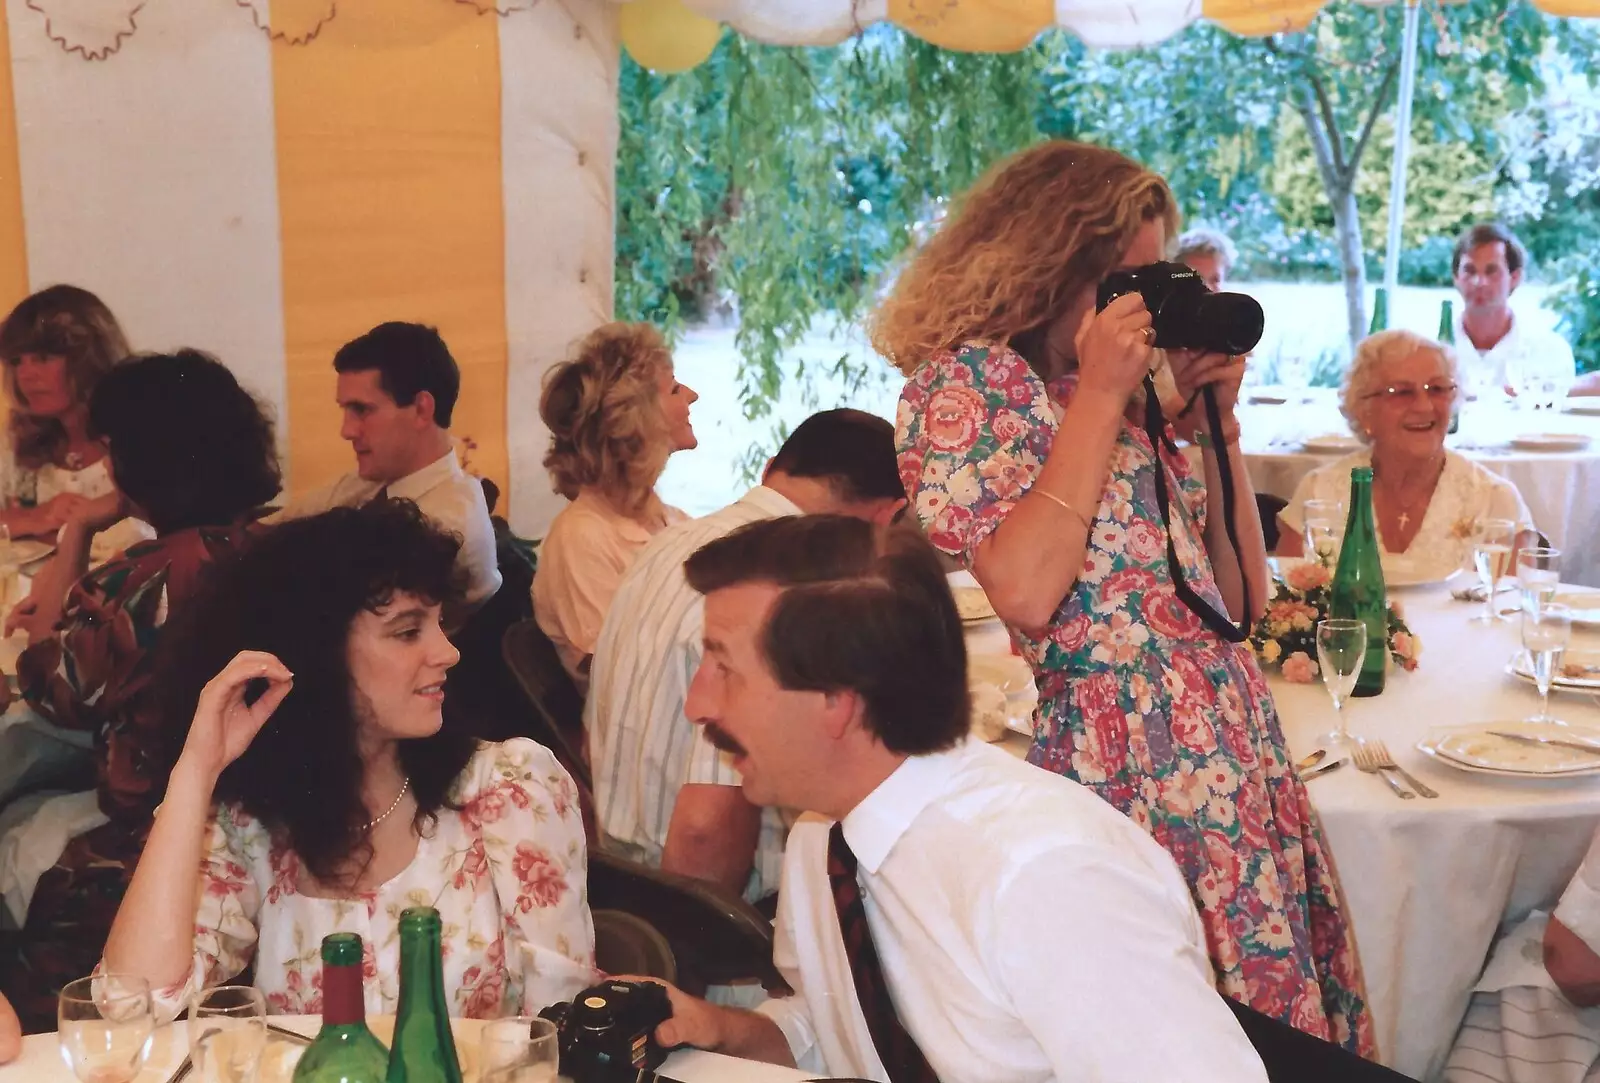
1185	313
607	1034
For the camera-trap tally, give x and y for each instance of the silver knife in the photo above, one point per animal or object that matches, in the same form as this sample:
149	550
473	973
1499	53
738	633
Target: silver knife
1529	739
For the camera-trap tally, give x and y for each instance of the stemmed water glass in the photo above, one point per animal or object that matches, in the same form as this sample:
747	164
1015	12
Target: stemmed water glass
1491	555
1324	529
105	1024
519	1051
1539	576
1546	631
1341	648
227	1033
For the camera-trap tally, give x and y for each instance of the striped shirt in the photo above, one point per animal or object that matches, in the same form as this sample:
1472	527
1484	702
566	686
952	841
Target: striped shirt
642	746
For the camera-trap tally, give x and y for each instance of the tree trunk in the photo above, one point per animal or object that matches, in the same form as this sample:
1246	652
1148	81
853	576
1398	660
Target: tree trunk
1347	223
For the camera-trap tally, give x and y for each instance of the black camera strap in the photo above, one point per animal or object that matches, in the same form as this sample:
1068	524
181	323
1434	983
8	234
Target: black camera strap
1155	427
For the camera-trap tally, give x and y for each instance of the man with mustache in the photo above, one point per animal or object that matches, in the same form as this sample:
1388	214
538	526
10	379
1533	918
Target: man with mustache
948	912
663	796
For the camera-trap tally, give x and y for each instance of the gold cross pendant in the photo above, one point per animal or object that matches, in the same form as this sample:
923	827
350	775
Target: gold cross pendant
1404	519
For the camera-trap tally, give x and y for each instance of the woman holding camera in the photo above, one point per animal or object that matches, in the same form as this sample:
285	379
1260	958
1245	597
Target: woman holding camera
321	789
1022	448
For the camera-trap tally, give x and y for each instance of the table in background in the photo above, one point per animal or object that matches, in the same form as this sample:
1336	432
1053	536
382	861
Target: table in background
1562	488
1428	883
41	1060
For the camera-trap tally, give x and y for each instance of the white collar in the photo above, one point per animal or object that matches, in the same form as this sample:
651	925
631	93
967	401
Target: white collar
877	823
770	502
421	481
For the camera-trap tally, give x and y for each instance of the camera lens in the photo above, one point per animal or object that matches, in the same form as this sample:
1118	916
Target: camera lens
1228	323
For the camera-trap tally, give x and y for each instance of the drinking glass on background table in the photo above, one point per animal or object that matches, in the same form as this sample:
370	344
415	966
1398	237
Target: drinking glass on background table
1294	373
104	1024
227	1033
1341	648
518	1051
1491	555
1546	631
1324	529
1539	575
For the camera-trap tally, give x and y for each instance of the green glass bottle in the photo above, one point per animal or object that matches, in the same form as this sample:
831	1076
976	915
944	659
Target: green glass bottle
1380	311
424	1050
344	1051
1358	592
1447	335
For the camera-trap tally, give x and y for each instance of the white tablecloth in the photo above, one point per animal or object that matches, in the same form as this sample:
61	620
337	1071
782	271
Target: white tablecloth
1562	489
41	1060
1428	883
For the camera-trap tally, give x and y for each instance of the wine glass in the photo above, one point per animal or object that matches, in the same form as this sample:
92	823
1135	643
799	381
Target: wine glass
104	1024
1294	372
520	1050
1491	555
1546	631
1539	575
1324	529
227	1033
1341	648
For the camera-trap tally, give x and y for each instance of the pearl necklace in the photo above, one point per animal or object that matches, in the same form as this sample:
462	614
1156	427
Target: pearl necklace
397	799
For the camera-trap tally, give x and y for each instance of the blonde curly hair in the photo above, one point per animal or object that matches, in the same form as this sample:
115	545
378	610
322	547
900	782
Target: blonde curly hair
603	409
1027	239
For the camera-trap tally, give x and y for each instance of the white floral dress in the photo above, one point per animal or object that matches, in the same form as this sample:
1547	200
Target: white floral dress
1467	492
507	872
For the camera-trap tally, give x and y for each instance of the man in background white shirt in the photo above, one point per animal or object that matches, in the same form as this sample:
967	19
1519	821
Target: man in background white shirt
664	796
397	388
1022	928
1497	350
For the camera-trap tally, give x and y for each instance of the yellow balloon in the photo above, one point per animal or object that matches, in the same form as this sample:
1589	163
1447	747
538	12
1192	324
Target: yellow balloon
665	36
1258	18
974	26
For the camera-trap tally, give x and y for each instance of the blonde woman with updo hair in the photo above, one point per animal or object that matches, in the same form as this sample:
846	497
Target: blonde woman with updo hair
1022	448
615	413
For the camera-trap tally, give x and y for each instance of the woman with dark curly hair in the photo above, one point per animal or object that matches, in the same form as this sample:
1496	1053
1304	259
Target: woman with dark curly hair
194	455
326	790
615	413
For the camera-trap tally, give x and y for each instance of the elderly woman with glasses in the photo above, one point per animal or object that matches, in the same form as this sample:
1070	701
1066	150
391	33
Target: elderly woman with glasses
1398	397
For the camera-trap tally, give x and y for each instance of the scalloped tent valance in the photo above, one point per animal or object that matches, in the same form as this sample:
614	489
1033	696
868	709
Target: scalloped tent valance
675	35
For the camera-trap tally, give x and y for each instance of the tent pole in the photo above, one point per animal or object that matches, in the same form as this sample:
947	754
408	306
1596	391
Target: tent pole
1402	148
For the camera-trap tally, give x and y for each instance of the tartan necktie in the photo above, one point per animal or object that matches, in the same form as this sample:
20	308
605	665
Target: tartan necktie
898	1050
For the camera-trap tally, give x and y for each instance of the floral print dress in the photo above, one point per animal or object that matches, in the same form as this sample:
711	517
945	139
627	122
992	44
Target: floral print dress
507	872
1137	699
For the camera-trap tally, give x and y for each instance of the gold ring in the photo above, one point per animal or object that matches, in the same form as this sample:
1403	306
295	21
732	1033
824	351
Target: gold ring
1149	336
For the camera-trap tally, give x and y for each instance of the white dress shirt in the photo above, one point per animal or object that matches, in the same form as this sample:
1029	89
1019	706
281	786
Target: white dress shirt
1525	349
446	494
642	747
1028	932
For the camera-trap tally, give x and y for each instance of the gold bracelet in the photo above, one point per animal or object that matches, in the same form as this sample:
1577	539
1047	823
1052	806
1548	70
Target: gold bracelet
1087	525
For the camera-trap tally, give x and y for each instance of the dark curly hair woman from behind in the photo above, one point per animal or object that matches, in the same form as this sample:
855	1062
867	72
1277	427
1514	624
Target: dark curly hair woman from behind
328	790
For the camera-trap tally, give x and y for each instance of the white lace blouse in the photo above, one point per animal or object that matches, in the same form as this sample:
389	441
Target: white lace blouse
1466	493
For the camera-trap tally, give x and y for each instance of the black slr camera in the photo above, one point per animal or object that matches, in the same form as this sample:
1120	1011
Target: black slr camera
608	1033
1187	315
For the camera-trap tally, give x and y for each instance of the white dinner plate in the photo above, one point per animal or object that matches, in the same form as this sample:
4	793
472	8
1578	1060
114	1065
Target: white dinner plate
1331	444
973	604
28	550
1580	670
1584	605
1401	571
1583	404
1268	398
1473	748
1550	441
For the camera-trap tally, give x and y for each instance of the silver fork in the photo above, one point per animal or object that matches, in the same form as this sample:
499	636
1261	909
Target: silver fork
1386	762
1367	760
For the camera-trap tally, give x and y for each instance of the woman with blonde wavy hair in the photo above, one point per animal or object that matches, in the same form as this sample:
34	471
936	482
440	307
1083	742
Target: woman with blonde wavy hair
615	413
55	345
994	325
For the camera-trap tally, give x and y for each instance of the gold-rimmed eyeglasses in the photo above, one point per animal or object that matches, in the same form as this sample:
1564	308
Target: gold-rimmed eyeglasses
1442	391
